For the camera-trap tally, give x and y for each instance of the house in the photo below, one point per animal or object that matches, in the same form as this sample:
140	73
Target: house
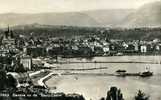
36	51
143	48
136	45
158	47
125	45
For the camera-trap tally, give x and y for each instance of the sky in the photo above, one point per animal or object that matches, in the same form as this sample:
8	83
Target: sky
38	6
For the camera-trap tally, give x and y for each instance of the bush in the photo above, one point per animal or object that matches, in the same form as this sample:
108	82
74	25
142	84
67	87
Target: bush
141	96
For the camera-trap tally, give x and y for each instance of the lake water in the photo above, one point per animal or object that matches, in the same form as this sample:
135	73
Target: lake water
95	87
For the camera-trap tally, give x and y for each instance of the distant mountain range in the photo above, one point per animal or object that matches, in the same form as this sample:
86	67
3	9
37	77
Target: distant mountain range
147	15
110	17
71	19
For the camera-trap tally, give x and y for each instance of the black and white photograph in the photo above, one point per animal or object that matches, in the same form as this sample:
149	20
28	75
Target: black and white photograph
80	49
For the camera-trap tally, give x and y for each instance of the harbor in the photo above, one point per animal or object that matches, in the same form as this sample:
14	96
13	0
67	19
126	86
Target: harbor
94	83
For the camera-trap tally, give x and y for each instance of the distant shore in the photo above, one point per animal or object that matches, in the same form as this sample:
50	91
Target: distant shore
110	62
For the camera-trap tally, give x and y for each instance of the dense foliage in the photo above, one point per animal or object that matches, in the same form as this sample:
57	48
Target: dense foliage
69	31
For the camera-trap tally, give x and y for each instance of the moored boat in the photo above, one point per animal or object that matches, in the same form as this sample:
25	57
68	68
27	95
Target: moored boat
146	74
121	71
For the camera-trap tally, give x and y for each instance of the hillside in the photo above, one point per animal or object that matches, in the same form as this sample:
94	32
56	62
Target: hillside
70	19
147	15
110	17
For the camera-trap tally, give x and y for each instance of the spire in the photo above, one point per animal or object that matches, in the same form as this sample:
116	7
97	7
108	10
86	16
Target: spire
8	29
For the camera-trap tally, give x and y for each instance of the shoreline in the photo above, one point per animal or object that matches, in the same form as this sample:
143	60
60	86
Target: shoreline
129	55
108	62
42	81
112	59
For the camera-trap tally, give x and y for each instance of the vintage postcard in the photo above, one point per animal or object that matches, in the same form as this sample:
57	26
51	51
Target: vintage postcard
80	49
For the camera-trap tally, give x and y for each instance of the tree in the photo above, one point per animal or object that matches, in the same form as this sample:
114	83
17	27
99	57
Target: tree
19	68
102	98
2	79
12	82
141	96
114	94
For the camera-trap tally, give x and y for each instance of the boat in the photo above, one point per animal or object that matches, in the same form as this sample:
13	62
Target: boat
121	71
146	74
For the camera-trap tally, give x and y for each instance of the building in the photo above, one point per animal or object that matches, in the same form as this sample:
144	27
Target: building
8	37
143	48
136	45
26	61
106	49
